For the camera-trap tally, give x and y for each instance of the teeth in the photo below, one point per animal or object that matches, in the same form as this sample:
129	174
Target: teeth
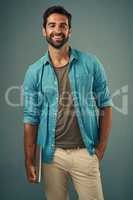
57	37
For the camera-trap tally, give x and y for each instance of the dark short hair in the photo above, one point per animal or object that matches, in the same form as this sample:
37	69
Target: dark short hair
56	9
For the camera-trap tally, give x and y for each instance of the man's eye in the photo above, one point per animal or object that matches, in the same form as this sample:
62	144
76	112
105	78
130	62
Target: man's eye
64	26
51	26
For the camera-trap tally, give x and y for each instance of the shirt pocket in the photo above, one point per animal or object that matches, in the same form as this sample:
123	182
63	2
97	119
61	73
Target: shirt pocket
84	81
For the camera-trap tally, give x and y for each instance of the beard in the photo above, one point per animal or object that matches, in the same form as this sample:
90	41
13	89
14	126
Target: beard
57	44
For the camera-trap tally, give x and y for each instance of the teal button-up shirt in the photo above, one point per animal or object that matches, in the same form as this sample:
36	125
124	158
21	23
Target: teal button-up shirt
88	82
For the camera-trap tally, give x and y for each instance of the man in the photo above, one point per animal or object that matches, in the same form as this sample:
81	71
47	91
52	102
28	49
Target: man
60	92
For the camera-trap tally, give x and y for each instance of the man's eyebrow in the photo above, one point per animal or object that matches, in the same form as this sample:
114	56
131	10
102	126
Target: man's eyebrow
49	23
64	23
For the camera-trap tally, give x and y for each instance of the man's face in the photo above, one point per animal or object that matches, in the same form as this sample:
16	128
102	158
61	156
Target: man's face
57	31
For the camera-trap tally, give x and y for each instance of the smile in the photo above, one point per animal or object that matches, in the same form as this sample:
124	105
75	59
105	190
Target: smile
57	37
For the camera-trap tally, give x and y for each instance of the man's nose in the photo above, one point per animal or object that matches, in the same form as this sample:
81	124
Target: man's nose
58	29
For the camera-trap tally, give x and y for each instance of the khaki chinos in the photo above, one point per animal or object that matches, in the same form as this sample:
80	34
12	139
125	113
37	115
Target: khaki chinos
83	169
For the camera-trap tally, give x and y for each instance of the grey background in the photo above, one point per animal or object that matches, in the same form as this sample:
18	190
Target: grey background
102	27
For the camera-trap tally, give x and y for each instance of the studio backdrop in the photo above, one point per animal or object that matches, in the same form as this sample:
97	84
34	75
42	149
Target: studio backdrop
101	27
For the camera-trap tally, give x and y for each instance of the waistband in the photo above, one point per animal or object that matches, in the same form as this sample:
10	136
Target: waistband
72	148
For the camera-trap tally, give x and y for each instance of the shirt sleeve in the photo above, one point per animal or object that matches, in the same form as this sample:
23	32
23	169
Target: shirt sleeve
100	86
31	107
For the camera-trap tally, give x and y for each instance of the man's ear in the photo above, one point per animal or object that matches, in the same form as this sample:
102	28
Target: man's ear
70	32
43	31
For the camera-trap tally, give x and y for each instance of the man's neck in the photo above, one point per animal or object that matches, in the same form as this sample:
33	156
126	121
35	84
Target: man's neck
59	56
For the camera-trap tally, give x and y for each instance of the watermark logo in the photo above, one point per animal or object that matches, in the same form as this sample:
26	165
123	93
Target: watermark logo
120	94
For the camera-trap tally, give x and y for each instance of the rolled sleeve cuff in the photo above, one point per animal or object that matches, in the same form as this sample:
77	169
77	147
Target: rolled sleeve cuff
107	103
30	120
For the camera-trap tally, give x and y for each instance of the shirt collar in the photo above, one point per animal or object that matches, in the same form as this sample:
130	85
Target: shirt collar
73	56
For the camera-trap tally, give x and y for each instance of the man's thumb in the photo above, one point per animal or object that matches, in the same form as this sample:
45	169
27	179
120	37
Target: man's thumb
33	172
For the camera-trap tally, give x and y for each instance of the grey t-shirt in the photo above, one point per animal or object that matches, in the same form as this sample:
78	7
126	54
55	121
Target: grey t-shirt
67	129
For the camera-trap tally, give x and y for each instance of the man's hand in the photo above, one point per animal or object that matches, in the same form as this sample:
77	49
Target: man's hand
30	137
105	121
30	172
100	149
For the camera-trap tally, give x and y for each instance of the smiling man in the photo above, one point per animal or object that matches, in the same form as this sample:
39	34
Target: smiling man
61	92
58	38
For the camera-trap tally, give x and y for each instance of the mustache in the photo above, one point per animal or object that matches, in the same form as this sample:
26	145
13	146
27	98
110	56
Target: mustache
57	34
